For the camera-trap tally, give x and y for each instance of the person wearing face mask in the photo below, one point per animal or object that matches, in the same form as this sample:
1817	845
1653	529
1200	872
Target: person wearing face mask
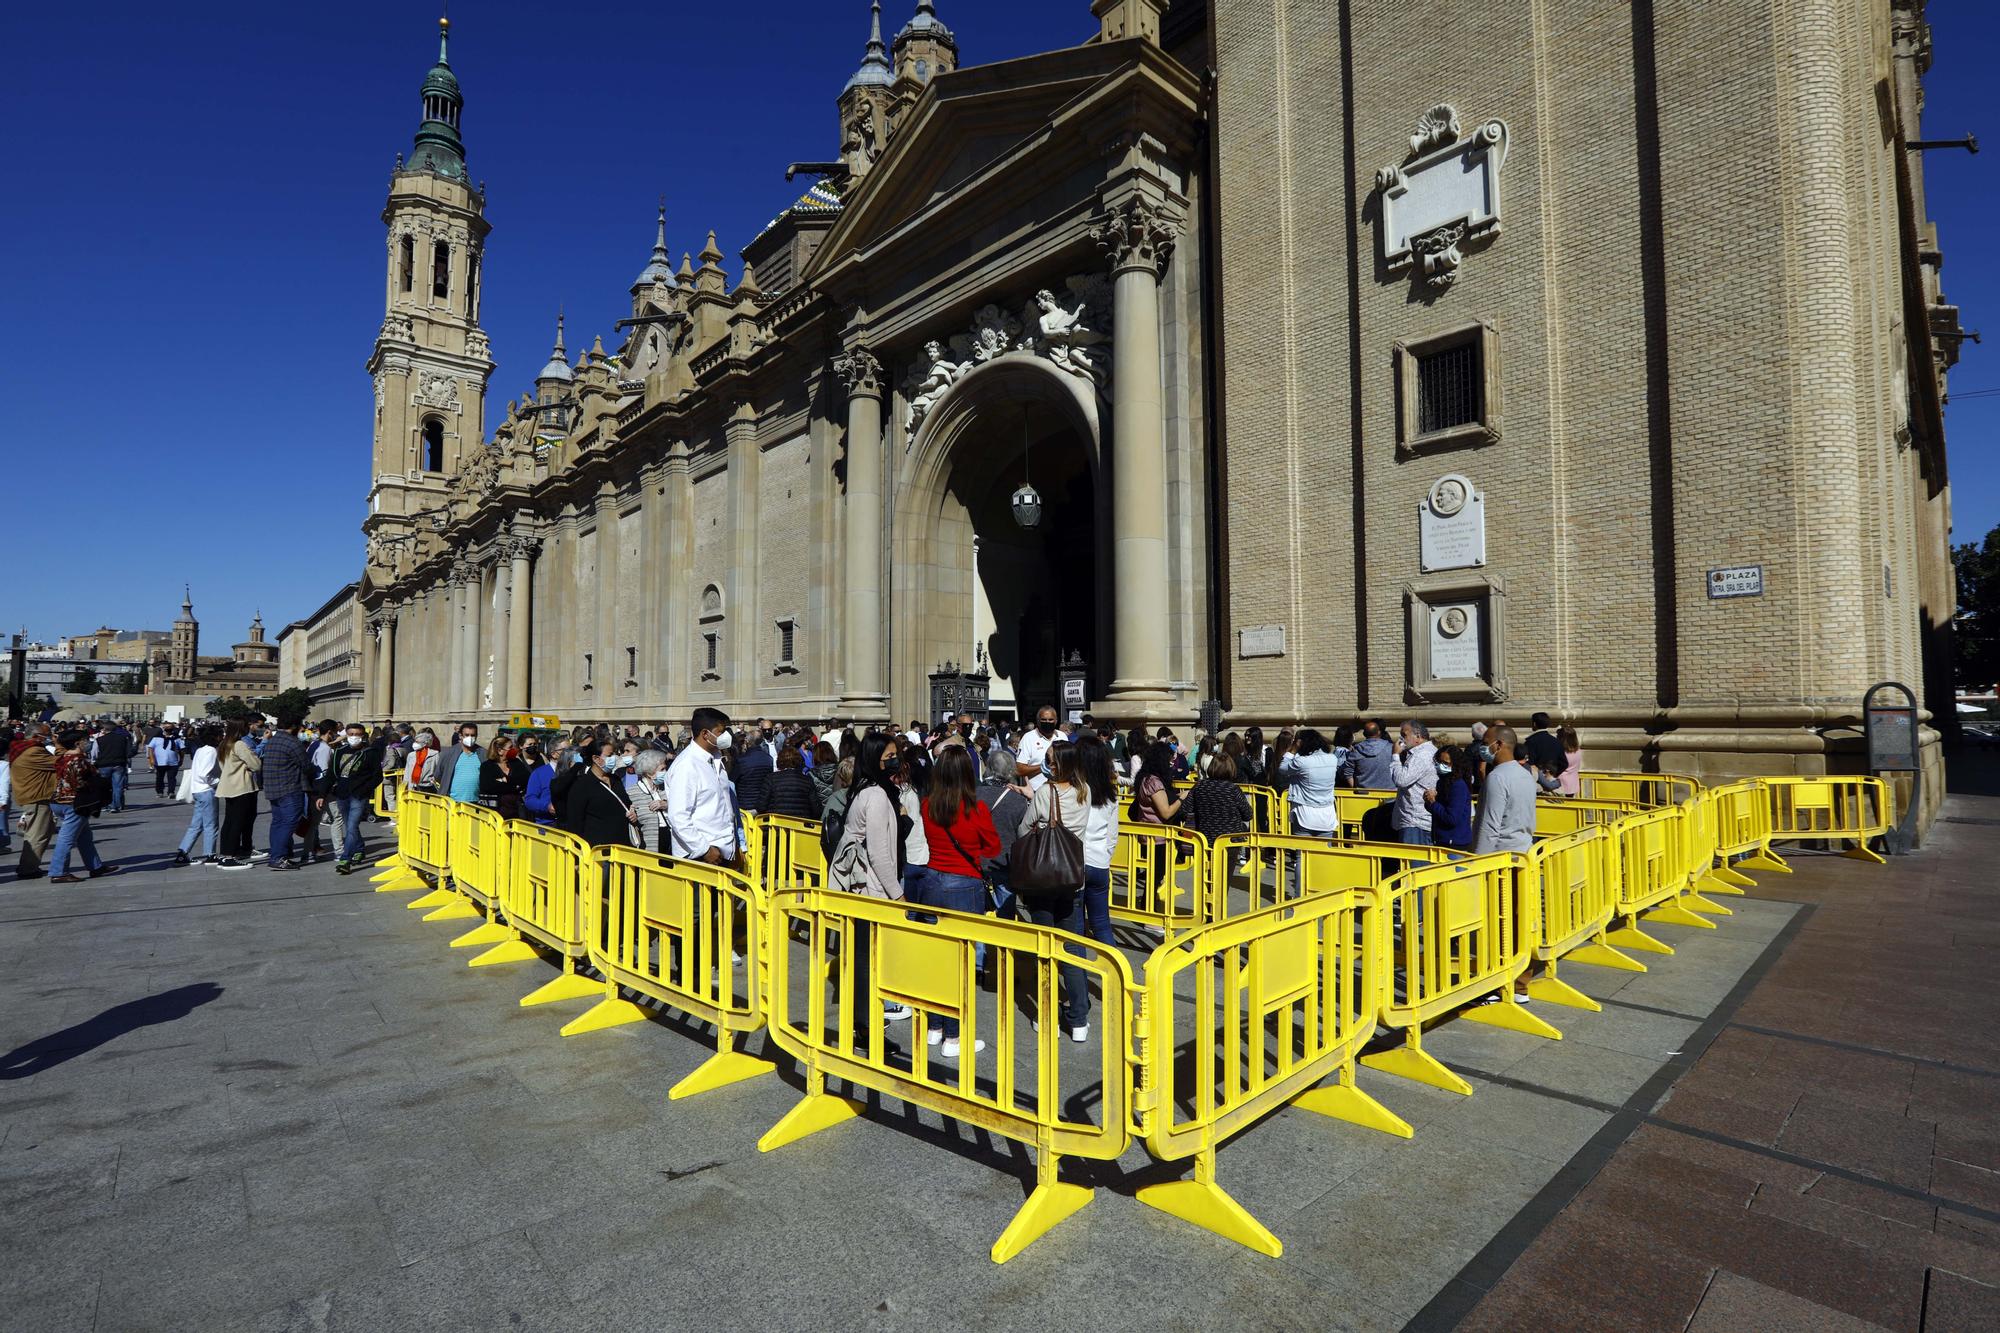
1451	800
597	810
1032	757
701	814
645	783
537	802
458	766
753	771
357	769
503	780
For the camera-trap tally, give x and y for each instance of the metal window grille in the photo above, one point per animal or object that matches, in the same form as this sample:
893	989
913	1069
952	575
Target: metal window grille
588	668
1450	384
785	630
713	644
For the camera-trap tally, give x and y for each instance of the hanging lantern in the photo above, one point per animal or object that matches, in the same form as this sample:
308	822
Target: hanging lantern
1027	506
1027	500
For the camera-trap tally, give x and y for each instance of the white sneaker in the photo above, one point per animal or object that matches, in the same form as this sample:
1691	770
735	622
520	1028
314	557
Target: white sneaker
1081	1032
951	1048
936	1036
895	1013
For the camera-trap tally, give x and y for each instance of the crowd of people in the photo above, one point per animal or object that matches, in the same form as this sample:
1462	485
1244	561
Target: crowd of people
930	815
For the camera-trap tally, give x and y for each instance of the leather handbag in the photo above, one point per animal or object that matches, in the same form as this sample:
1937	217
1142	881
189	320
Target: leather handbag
1048	858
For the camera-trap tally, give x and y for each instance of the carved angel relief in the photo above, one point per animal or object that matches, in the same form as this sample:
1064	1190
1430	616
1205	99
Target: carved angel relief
1070	331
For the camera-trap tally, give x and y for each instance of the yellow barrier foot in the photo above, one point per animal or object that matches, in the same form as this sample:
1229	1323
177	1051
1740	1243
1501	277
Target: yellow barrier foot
490	933
1673	914
1344	1101
1511	1016
821	1110
1601	955
1047	1206
1631	937
387	873
1765	860
402	881
1711	883
1419	1067
1860	852
1694	902
1209	1206
393	861
515	951
611	1012
459	910
1551	990
435	898
1729	876
719	1071
568	986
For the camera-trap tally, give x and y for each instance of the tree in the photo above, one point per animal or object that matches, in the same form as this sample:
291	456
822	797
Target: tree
287	705
1976	638
131	682
84	681
232	709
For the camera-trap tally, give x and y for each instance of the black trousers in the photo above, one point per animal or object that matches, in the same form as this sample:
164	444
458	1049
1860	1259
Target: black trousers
239	821
166	780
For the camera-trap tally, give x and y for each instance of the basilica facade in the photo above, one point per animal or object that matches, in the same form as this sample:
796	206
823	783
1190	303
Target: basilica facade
1299	360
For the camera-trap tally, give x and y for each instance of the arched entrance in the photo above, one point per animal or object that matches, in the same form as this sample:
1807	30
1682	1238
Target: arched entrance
972	585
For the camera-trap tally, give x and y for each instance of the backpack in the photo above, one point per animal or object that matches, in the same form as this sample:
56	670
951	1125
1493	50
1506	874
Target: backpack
833	823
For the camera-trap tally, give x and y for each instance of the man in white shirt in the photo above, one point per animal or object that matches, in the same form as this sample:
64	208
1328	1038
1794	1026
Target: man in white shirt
1034	749
701	814
1413	770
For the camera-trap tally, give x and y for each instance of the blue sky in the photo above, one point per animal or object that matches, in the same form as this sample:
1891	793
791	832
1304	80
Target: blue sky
195	251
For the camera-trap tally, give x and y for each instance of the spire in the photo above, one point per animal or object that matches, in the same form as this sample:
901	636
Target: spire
439	148
709	253
875	71
660	269
187	602
558	366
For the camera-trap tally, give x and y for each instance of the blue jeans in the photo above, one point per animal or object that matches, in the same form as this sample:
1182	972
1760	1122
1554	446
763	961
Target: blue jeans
1097	904
202	825
285	812
72	831
953	893
1414	837
115	775
351	809
1064	911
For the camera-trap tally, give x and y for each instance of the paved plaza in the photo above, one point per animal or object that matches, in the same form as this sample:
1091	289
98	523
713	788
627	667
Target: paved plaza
239	1100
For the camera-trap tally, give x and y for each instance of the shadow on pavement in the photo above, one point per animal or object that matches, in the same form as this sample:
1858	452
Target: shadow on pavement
52	1050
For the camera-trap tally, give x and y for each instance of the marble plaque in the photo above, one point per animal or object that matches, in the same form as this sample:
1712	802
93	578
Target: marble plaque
1455	641
1261	641
1451	526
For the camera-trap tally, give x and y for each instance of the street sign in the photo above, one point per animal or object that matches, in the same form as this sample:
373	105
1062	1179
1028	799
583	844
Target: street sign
1891	725
1736	581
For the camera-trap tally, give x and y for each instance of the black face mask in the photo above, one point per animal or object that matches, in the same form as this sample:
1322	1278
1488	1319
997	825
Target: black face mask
891	766
1046	728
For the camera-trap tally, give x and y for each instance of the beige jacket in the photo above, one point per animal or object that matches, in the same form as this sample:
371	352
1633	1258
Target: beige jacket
239	772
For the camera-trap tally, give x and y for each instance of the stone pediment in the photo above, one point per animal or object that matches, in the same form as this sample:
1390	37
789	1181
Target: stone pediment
972	122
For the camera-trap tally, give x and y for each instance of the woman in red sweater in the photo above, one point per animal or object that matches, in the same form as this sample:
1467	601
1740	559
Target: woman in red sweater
959	829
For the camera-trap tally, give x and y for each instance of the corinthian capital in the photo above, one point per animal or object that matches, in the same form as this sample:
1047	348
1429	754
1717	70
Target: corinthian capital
521	548
860	373
1137	234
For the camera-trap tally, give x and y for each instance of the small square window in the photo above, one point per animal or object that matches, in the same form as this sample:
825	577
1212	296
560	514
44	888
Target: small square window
712	650
1448	389
787	663
589	667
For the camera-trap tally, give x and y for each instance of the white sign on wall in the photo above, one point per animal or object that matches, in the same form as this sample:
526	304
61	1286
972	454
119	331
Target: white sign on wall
1736	581
1455	641
1261	641
1451	526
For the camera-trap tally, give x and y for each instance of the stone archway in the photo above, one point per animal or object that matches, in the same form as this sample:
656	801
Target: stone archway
966	577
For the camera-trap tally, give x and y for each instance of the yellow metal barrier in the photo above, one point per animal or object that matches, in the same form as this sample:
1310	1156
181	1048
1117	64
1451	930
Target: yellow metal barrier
383	804
785	852
423	841
1461	931
541	897
1576	877
1832	809
1270	809
1653	877
1035	1087
1557	815
687	935
1246	1016
1648	789
1359	811
478	844
1740	814
1157	873
1249	872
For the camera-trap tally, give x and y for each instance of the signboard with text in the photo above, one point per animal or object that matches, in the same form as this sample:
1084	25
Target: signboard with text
1736	581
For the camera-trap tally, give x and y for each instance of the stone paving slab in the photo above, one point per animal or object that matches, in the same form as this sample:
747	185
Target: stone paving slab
332	1123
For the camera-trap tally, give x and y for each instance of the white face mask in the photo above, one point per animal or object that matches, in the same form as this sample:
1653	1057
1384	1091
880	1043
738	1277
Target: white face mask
356	742
468	741
725	739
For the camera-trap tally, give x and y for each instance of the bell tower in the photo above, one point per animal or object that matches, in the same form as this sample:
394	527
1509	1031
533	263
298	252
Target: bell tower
431	361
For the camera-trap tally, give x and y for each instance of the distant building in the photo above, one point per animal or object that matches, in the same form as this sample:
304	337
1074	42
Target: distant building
250	670
321	654
51	675
118	645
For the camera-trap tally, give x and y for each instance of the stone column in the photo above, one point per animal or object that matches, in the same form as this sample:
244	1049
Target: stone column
608	676
1137	236
520	614
863	628
384	625
451	633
